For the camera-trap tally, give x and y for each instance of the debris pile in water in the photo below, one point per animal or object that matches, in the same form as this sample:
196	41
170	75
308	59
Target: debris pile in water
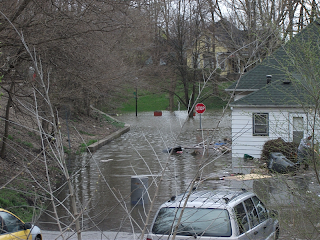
288	149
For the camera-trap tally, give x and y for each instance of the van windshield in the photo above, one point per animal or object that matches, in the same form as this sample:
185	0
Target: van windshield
194	222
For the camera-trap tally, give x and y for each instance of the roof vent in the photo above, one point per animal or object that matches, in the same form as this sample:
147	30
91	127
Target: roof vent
269	77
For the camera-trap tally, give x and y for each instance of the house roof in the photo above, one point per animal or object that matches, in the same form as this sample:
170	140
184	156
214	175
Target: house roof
256	78
282	67
285	92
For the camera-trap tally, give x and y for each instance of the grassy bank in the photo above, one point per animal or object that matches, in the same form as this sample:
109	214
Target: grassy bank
17	203
24	194
154	102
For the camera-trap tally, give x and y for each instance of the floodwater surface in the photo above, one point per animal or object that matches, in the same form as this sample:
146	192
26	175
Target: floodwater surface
103	180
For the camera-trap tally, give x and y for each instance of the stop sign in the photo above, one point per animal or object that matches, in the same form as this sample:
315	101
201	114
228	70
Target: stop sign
200	108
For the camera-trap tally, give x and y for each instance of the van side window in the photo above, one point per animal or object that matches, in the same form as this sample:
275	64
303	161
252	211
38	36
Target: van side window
241	218
252	213
261	209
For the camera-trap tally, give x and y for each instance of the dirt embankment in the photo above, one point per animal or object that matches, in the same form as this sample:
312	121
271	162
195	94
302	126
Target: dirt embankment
25	167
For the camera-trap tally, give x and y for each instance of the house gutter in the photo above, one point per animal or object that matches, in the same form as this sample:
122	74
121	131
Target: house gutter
269	106
241	90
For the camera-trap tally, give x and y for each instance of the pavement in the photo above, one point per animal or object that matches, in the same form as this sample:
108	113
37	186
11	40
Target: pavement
90	235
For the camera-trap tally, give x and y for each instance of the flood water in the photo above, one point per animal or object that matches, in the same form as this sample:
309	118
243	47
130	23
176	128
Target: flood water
103	181
141	152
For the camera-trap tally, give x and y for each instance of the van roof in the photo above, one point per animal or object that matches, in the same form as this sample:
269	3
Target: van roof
208	198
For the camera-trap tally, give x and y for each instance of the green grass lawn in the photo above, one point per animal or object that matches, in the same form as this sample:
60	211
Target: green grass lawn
148	102
157	102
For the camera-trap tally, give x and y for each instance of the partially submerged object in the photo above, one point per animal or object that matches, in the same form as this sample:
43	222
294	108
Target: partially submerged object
247	157
177	149
279	163
214	147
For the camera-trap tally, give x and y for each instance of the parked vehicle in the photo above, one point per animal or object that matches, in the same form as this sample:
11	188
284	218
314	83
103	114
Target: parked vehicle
12	227
215	215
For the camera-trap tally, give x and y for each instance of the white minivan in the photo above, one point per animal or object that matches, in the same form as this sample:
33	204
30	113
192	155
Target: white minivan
215	215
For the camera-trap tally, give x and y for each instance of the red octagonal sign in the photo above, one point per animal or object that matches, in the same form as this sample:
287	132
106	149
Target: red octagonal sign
200	108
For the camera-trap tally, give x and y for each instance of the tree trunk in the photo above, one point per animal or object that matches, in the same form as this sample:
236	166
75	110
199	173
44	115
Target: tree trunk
6	124
213	50
191	111
171	94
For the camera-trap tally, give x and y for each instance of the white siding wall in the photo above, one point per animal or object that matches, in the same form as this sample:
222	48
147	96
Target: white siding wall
243	141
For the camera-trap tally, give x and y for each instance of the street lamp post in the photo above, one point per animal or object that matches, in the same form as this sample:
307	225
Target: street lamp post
136	101
136	96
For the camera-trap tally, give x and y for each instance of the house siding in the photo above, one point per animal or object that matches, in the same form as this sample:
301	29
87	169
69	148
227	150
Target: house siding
243	141
280	125
286	99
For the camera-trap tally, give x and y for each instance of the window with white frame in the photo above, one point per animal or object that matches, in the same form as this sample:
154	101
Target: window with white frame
260	124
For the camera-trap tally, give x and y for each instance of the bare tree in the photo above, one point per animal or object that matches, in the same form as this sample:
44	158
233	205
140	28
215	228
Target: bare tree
88	48
79	41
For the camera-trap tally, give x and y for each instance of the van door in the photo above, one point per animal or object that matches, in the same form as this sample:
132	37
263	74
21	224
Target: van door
248	221
265	222
256	228
243	223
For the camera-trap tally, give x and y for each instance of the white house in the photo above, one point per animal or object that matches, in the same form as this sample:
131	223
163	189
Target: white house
274	100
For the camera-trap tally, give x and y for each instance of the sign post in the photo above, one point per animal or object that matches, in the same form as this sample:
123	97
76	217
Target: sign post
200	108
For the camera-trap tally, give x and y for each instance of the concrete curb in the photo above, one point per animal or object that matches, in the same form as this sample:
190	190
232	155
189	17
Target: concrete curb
95	146
103	113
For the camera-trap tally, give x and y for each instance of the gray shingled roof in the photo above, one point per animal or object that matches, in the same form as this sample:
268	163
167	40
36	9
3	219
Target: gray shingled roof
280	93
280	66
256	77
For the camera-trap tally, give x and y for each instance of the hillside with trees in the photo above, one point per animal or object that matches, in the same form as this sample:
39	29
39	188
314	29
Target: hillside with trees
58	58
96	51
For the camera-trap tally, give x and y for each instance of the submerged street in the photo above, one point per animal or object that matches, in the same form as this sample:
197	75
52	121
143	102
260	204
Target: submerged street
103	181
105	178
